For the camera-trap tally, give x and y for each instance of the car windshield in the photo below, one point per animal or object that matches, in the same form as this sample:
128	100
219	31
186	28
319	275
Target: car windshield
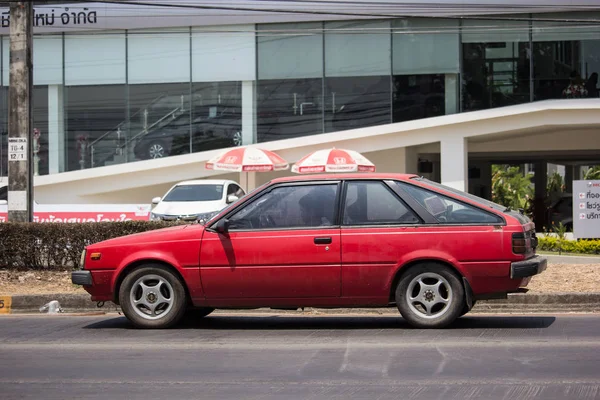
477	199
195	193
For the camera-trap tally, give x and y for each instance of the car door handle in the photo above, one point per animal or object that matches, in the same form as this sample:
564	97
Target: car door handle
322	240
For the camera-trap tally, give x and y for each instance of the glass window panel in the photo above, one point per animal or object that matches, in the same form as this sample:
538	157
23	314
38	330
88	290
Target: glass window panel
567	57
357	102
577	28
48	63
494	31
159	56
371	203
223	53
159	120
288	108
418	96
216	115
95	59
447	210
495	63
95	125
357	48
425	46
288	51
307	206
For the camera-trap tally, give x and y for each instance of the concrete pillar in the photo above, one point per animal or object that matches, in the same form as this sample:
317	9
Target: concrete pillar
569	177
248	181
56	129
539	202
577	173
451	93
248	112
486	179
411	160
454	162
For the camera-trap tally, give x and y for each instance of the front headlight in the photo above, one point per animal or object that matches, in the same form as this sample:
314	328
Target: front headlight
82	261
155	217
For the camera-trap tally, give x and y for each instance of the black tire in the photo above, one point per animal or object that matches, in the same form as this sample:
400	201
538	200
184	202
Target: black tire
198	313
166	318
465	309
450	289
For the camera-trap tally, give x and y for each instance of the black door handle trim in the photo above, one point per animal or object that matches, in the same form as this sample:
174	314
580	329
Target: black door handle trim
322	240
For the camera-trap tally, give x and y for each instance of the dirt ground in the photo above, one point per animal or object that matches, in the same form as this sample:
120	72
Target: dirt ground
557	278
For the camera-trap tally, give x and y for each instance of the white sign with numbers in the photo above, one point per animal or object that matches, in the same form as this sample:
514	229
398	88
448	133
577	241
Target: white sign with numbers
17	149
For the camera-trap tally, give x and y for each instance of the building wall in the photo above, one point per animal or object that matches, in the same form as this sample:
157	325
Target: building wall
110	96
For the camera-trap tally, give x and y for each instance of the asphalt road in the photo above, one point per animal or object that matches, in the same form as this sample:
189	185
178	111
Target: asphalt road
301	357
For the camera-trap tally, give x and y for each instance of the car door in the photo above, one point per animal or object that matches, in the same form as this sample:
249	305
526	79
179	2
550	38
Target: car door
377	228
283	244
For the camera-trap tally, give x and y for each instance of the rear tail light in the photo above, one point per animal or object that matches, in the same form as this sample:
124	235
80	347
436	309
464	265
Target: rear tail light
522	242
519	243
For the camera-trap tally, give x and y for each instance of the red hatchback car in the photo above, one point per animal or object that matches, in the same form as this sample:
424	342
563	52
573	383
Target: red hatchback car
354	240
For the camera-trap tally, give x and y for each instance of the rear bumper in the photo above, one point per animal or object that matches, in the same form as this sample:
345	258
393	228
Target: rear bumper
81	278
530	267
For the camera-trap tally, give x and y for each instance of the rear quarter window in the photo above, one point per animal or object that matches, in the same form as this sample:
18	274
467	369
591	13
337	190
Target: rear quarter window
447	210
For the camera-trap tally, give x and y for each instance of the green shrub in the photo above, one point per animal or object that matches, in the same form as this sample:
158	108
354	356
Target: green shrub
554	244
58	245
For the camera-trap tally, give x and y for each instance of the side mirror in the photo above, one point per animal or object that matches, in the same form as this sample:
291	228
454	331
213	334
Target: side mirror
222	226
3	202
156	200
232	199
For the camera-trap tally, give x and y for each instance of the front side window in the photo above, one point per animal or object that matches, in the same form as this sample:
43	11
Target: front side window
447	210
195	193
372	203
305	206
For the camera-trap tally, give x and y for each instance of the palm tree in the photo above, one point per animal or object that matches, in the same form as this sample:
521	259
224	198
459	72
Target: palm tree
593	173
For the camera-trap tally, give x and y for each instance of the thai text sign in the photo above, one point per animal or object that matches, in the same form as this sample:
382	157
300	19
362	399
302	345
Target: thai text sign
586	209
74	213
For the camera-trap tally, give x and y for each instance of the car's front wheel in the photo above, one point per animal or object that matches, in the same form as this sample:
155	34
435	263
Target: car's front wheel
430	296
152	297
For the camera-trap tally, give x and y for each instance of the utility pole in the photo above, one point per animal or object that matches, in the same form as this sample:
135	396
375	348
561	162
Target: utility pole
20	116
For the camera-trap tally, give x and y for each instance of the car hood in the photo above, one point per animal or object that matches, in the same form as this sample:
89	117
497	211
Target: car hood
188	207
170	234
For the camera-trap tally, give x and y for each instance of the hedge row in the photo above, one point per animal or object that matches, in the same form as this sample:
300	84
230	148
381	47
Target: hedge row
552	243
59	246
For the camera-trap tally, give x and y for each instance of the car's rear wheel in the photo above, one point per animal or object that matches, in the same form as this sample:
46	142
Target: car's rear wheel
430	296
152	297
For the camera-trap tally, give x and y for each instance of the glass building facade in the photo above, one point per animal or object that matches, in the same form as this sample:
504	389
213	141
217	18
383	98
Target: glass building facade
114	97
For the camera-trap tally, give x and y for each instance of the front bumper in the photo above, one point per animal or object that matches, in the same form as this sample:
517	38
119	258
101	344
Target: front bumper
527	268
81	278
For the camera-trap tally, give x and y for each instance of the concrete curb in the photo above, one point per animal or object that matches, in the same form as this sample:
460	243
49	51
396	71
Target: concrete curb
556	259
517	303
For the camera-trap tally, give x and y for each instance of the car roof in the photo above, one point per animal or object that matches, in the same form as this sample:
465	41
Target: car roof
206	182
371	175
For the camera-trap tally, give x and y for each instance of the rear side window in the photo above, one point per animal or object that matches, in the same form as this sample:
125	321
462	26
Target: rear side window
447	210
372	203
